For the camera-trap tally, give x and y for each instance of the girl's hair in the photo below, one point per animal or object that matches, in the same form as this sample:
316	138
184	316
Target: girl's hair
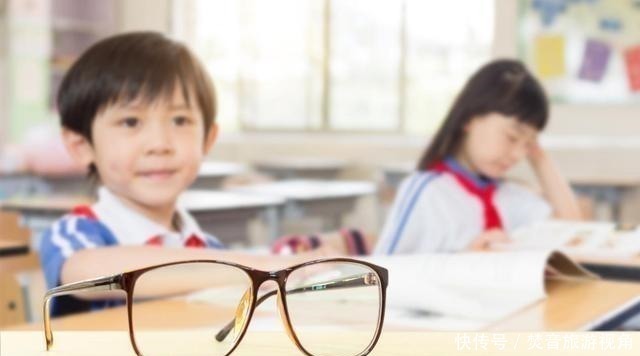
130	66
502	86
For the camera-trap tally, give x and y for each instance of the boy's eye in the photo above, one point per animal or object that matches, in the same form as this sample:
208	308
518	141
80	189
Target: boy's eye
181	120
130	122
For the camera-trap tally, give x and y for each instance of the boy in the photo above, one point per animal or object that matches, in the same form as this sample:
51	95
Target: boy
138	110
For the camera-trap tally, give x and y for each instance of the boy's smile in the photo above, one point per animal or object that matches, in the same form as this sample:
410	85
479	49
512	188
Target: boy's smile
157	174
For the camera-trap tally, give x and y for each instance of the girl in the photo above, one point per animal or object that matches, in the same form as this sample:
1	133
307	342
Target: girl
457	199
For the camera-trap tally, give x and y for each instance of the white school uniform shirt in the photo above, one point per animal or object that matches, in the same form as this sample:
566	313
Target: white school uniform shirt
109	222
133	229
433	212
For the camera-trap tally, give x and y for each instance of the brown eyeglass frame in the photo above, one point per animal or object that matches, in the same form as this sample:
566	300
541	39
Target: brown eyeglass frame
126	281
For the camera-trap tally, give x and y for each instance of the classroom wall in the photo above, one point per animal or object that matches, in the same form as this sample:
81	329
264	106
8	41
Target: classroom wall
144	15
608	135
610	121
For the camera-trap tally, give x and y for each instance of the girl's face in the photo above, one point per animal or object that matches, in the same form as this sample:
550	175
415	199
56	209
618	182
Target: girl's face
494	143
149	153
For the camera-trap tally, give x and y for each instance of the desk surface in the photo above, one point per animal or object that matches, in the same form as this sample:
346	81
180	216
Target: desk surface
220	169
10	247
570	306
193	200
302	189
53	204
201	200
304	163
80	343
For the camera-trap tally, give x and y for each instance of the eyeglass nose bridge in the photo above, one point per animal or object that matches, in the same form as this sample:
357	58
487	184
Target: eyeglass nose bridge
280	277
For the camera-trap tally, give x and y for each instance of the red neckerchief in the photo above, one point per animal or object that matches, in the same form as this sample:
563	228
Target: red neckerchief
192	241
491	217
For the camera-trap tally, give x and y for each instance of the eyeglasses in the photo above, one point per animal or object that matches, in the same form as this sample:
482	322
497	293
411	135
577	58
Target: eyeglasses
208	305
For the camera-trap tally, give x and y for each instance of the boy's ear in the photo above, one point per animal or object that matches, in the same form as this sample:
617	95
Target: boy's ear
78	147
211	137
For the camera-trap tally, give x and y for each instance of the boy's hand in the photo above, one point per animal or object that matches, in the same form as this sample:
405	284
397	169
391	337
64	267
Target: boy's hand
484	241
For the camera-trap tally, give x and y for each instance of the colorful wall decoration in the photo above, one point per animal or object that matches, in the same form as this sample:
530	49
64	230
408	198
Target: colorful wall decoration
584	51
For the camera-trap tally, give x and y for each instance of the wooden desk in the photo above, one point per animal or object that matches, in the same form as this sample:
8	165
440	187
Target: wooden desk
109	343
330	200
627	269
570	306
298	168
573	306
13	247
224	214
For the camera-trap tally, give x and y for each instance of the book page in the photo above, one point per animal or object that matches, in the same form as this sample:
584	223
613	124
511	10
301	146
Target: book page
474	286
558	234
577	239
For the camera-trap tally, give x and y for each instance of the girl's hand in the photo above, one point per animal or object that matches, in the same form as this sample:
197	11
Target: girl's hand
484	241
555	187
536	153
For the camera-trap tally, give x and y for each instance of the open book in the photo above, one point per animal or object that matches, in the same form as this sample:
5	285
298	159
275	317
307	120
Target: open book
468	291
577	239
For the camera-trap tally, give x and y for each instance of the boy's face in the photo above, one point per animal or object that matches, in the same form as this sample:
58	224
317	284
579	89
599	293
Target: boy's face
148	153
494	143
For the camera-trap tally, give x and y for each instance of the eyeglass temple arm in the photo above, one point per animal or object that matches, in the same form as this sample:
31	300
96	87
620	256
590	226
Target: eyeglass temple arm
92	285
364	280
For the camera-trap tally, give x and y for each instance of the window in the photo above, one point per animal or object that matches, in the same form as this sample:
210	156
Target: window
338	66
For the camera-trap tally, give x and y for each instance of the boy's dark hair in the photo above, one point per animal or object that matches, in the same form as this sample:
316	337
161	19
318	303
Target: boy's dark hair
125	67
502	86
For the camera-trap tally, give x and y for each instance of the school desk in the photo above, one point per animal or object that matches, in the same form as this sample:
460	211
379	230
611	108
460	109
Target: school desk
394	173
21	183
11	247
39	212
14	239
330	200
109	343
213	173
224	214
25	183
569	306
227	214
624	269
577	306
297	168
13	295
606	190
